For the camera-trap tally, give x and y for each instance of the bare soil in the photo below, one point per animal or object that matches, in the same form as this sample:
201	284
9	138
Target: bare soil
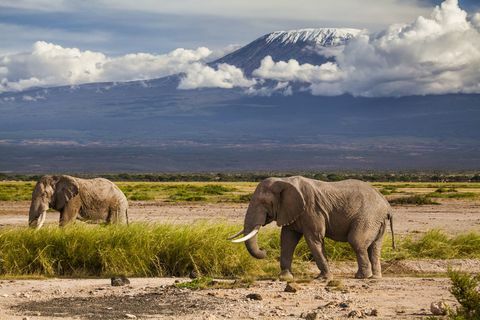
452	216
406	291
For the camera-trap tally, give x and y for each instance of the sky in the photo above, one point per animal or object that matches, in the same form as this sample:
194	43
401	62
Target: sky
414	46
117	27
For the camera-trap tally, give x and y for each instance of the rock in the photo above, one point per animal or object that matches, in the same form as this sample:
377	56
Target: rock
438	308
119	281
254	296
352	314
370	312
343	305
25	318
311	316
291	287
130	316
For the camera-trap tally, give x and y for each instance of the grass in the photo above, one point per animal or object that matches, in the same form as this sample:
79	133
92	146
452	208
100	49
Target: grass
16	190
418	200
177	250
241	191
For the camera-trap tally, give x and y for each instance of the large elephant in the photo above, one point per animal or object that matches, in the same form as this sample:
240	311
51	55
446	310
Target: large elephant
84	199
348	210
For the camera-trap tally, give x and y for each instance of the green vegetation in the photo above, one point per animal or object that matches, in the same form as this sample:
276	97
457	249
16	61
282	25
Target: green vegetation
241	192
407	176
465	290
202	283
177	250
415	199
16	191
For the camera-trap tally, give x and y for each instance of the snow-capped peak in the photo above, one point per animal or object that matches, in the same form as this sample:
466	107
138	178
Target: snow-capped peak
320	36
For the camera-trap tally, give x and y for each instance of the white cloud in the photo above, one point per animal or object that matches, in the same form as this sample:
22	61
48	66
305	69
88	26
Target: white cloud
283	88
435	55
48	64
354	12
293	71
203	76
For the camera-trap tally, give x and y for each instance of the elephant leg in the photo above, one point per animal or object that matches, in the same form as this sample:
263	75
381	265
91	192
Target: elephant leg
316	245
363	261
374	252
70	211
288	242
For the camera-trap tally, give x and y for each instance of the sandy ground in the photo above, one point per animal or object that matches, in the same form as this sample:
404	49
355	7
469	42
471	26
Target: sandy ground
452	216
404	292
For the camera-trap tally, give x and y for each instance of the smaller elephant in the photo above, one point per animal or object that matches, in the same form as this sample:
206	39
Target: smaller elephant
84	199
348	211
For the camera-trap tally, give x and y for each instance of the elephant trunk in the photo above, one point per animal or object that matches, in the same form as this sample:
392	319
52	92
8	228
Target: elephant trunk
254	219
37	214
253	249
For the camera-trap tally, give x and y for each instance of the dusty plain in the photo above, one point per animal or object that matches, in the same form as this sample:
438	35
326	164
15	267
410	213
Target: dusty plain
405	292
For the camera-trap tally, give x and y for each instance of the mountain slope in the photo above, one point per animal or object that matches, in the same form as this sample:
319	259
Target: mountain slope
313	46
153	126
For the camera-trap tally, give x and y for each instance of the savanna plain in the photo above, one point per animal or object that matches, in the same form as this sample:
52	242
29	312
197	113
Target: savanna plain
180	265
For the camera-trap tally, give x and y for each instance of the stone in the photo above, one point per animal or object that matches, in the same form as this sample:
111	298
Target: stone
291	287
438	308
343	305
370	312
254	296
311	316
352	314
130	316
119	281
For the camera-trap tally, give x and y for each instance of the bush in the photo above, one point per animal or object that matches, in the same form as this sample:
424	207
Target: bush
465	290
415	199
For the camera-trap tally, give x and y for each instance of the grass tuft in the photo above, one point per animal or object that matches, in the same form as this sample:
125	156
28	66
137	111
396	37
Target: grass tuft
413	200
177	250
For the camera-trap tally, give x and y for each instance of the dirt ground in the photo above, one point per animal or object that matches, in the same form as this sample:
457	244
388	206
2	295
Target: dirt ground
404	292
452	216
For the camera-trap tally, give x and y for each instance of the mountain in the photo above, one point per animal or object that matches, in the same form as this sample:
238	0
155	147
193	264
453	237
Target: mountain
147	126
314	46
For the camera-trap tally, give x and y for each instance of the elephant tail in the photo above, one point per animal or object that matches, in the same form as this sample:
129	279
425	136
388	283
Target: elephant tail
390	217
126	215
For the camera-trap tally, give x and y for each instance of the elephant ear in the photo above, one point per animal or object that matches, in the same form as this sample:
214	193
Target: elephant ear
291	203
66	188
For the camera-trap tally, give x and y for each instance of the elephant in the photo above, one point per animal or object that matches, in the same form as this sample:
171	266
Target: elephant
75	198
347	211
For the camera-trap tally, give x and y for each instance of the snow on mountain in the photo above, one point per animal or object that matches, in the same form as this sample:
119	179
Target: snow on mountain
322	36
304	45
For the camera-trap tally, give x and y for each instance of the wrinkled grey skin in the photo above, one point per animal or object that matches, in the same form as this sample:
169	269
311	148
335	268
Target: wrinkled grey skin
84	199
349	210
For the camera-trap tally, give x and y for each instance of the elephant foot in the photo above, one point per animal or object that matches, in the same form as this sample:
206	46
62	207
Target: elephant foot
324	277
362	275
285	275
376	276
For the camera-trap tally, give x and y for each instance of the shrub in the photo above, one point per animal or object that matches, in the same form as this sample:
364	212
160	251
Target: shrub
415	199
465	290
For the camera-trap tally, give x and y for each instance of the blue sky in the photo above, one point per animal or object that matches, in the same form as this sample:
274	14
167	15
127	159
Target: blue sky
119	27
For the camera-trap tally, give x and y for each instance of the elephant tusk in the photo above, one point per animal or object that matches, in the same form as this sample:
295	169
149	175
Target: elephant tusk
41	220
248	236
235	235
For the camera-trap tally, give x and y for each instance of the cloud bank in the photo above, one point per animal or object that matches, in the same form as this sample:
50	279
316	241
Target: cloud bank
438	54
48	64
435	55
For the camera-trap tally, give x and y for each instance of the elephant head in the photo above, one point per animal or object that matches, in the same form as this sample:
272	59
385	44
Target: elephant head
50	192
274	199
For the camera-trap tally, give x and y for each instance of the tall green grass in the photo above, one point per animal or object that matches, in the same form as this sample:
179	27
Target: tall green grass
177	250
